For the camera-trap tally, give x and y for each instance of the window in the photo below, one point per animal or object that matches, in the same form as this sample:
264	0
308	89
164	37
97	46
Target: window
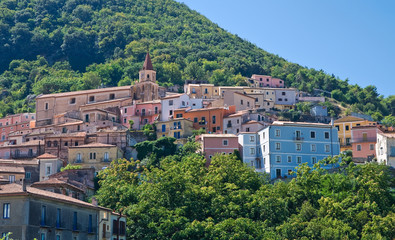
170	102
327	148
247	129
55	143
298	147
278	146
58	218
90	229
278	159
42	236
213	119
283	93
92	155
6	210
314	160
171	112
124	120
289	159
177	135
112	96
57	237
347	127
298	135
312	134
106	156
280	99
46	107
225	142
238	121
252	138
252	151
43	215
28	175
91	98
205	91
289	172
193	90
11	178
78	157
338	128
178	115
48	169
248	104
203	121
75	221
277	132
126	110
156	110
359	147
313	147
195	120
299	159
258	163
122	228
72	100
326	135
241	102
163	128
371	146
49	144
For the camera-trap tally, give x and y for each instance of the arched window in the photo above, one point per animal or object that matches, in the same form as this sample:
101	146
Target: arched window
49	144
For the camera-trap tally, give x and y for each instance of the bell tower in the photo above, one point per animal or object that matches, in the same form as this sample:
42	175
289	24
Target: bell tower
147	73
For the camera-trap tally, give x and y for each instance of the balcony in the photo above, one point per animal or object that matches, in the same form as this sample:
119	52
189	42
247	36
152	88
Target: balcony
106	160
175	127
360	140
298	138
149	113
77	160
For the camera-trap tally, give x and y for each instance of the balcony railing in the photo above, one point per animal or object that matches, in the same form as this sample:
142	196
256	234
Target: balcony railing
149	113
369	139
297	138
78	160
175	127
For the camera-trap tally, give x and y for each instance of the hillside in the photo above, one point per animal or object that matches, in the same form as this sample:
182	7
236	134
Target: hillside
63	45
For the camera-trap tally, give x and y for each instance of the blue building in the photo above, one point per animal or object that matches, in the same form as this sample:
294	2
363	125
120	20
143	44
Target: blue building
282	146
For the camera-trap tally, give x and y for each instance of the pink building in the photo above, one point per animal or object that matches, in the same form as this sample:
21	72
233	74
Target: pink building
218	144
141	113
265	81
363	139
129	113
13	123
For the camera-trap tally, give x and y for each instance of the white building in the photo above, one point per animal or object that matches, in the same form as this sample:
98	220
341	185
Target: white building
385	148
176	101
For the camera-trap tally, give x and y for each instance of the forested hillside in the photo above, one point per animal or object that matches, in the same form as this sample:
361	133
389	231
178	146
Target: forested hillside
63	45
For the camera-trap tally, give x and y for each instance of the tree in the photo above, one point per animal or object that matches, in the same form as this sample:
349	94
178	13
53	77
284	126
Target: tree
131	122
69	166
194	71
389	121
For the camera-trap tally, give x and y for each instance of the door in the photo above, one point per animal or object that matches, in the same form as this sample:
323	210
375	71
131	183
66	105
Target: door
278	173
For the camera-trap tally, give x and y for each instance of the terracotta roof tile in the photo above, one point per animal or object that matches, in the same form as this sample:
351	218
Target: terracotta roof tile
65	94
47	156
12	169
94	145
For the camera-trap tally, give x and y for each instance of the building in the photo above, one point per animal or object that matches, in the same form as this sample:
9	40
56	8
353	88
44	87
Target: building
250	150
363	141
319	111
252	126
385	148
176	101
210	119
344	126
58	144
148	112
12	173
240	100
261	81
14	123
232	123
202	91
33	213
283	146
285	98
25	150
179	128
218	144
94	155
49	164
31	167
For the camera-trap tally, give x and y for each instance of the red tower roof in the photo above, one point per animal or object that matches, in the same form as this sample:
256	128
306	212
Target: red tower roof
147	63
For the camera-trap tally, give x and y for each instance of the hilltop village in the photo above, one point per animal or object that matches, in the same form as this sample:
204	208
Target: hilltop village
92	128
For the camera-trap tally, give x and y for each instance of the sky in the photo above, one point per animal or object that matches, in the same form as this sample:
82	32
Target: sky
352	39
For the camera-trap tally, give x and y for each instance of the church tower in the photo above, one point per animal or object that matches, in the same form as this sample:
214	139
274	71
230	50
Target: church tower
147	73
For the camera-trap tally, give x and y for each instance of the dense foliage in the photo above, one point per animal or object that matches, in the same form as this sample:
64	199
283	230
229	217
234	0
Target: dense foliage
183	199
83	44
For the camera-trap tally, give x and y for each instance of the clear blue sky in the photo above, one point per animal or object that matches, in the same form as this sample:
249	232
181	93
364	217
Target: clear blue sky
352	39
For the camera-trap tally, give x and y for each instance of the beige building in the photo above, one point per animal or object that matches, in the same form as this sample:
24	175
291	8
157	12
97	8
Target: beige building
98	104
241	101
95	155
49	164
205	91
179	128
12	173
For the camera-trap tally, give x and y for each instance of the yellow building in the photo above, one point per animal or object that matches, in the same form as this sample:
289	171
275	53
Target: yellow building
205	91
95	155
179	128
344	126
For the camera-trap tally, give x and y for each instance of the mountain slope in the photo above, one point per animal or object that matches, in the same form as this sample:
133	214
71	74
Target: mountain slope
107	41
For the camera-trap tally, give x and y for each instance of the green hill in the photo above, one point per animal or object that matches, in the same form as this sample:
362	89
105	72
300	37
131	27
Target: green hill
62	45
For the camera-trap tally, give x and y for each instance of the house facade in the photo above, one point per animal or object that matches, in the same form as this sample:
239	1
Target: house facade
260	81
363	141
385	148
179	128
213	144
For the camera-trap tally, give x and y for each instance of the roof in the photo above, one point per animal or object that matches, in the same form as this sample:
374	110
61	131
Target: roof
203	109
18	162
16	189
148	102
388	135
47	156
147	63
30	143
281	123
65	94
12	169
71	123
75	134
349	119
217	135
244	95
55	182
94	145
237	114
173	96
252	122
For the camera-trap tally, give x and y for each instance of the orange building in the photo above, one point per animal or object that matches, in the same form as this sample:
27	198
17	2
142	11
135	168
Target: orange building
210	119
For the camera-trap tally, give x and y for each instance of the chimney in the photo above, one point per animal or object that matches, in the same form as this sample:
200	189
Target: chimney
94	201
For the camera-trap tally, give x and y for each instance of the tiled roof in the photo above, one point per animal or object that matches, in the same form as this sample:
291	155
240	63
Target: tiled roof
173	96
18	162
65	94
349	119
47	156
252	122
55	182
389	134
70	123
94	145
16	189
217	135
30	143
12	169
75	134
